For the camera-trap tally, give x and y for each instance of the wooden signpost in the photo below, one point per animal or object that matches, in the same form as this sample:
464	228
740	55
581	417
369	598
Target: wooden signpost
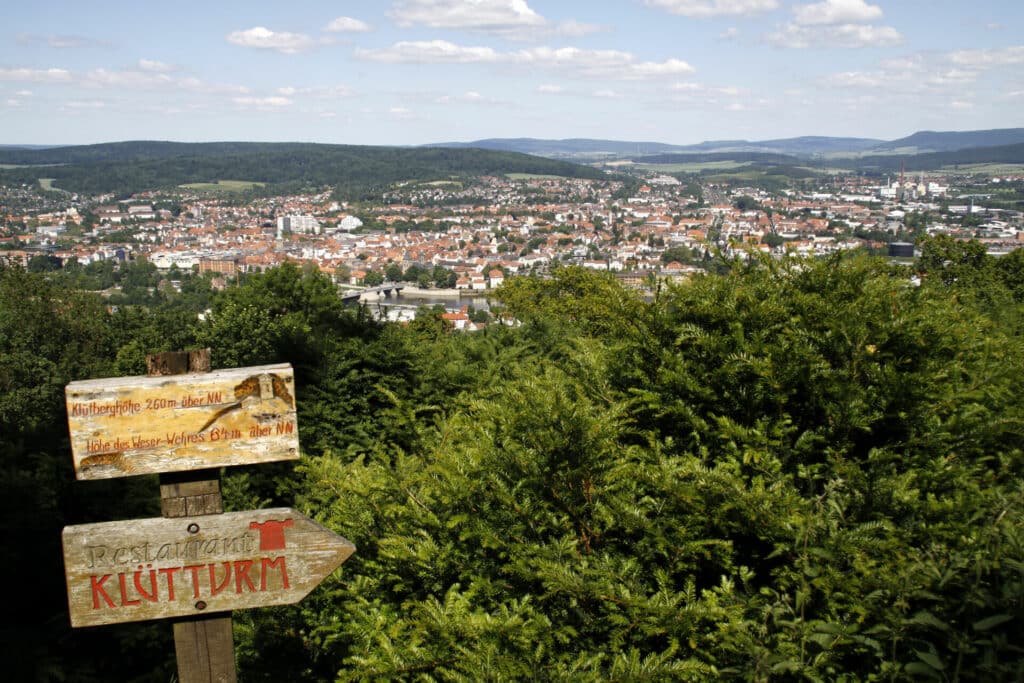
158	568
184	423
140	425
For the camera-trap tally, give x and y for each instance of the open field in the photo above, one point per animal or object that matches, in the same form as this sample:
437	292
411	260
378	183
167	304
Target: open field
826	170
988	169
46	183
695	167
755	174
904	151
532	176
223	186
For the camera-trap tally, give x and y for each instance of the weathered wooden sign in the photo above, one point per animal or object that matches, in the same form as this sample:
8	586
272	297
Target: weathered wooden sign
140	425
134	570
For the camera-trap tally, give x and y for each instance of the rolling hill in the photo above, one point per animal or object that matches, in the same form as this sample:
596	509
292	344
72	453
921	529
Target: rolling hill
139	165
572	147
932	141
804	146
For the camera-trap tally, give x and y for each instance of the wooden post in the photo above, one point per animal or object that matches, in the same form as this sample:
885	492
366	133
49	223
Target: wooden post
204	646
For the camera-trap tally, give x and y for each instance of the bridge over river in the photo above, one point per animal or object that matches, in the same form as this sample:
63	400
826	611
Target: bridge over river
354	295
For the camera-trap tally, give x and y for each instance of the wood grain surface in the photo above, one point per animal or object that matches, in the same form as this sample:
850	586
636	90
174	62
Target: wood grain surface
136	570
140	425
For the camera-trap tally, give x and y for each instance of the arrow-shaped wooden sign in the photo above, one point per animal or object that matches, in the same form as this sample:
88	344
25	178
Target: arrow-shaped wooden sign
141	569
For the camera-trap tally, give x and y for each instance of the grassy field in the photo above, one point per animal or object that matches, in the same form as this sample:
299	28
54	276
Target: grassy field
695	167
46	183
740	175
825	170
532	176
225	186
986	169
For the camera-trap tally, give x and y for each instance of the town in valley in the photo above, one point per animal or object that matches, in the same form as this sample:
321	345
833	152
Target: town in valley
454	241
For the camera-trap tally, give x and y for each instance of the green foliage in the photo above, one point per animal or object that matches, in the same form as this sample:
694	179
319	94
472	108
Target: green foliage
793	470
786	471
680	254
746	203
50	336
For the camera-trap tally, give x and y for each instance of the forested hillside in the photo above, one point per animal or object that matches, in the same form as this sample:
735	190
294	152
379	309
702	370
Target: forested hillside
127	167
795	470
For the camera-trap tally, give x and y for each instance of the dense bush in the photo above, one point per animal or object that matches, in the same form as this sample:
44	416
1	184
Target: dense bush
794	470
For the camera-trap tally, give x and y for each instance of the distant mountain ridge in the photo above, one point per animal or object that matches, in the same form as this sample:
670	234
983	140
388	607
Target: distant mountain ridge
804	146
578	146
933	141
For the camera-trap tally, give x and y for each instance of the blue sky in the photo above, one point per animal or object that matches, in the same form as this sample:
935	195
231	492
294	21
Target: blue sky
420	71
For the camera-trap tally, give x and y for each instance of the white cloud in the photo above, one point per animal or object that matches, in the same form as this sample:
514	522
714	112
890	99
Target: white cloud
59	42
995	57
929	73
433	52
607	94
273	102
195	85
961	105
468	97
841	35
104	78
24	93
835	23
605	64
687	87
513	19
262	38
63	42
832	12
857	79
729	33
487	16
687	90
150	80
154	66
576	29
347	25
951	77
713	8
35	75
85	104
670	67
319	92
548	89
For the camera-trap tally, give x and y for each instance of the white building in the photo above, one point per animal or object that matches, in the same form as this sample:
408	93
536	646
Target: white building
297	224
350	223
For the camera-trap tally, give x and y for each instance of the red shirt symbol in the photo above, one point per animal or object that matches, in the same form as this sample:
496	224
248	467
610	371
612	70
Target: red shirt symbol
271	533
